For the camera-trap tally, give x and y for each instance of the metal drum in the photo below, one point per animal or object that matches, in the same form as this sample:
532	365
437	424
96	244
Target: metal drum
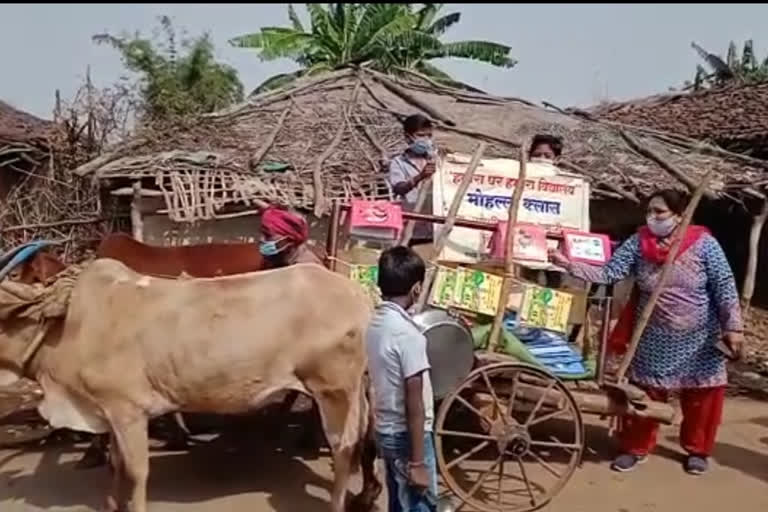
449	348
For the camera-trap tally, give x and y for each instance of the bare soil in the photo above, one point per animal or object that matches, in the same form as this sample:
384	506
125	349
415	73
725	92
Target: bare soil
253	475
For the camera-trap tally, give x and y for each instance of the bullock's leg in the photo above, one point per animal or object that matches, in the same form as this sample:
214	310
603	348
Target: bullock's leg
133	445
371	485
336	411
115	500
95	455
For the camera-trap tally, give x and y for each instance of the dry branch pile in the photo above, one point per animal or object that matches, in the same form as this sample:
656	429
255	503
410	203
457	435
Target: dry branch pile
328	138
41	198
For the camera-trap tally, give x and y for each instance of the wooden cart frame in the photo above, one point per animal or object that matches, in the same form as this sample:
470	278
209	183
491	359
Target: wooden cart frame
516	426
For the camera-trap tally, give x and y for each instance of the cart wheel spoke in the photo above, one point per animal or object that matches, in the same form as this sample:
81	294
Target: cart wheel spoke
468	435
472	408
527	482
496	401
482	478
546	417
523	438
462	458
548	444
540	402
545	465
501	480
512	393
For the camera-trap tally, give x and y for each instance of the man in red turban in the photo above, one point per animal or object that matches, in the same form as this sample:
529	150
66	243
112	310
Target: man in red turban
283	238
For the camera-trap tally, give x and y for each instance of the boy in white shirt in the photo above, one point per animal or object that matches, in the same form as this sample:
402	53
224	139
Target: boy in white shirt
403	402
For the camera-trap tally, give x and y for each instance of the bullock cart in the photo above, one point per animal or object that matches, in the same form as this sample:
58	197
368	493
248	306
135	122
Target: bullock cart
509	432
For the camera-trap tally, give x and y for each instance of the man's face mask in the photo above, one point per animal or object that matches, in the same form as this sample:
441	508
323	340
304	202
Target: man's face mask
270	247
423	147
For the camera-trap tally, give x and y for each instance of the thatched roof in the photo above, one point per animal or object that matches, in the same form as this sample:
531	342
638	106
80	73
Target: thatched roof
735	117
334	131
21	127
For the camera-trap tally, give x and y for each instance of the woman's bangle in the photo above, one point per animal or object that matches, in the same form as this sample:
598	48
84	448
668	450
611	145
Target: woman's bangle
419	464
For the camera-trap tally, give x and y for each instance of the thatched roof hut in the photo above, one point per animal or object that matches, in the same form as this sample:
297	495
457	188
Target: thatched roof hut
734	117
39	197
25	144
326	138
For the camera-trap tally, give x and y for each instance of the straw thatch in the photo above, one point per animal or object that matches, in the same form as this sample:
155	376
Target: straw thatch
734	117
334	132
25	143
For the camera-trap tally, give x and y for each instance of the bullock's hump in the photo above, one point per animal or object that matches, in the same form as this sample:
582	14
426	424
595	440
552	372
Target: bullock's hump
110	270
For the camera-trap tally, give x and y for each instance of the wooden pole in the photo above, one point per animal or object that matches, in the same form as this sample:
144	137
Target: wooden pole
137	223
645	315
421	200
450	220
748	288
509	264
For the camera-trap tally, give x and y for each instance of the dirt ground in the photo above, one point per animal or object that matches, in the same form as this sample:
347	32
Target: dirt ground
254	477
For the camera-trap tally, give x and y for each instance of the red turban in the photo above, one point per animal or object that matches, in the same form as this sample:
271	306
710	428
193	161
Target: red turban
279	222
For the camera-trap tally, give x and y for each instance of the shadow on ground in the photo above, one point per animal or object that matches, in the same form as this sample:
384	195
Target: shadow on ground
205	472
744	460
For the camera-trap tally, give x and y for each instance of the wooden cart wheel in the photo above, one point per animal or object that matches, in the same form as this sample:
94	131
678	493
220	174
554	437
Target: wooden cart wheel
508	438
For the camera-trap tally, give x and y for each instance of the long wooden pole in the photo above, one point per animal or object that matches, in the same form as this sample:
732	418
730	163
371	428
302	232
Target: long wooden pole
450	220
645	315
748	288
421	200
137	222
509	264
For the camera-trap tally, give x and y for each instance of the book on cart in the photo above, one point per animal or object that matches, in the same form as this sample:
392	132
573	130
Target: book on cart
375	220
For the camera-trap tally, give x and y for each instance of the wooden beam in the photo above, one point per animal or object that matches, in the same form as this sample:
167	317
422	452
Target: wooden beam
450	220
509	264
750	275
137	223
130	192
421	200
664	164
255	160
411	99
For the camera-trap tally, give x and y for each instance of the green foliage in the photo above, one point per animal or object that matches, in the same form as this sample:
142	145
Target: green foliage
386	37
176	79
735	68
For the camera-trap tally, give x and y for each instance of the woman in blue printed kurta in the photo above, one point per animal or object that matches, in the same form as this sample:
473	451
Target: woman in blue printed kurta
678	349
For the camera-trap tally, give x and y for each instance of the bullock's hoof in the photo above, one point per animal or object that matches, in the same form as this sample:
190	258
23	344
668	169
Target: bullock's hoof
92	459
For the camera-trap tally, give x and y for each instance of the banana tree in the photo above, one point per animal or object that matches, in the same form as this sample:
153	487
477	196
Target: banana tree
387	37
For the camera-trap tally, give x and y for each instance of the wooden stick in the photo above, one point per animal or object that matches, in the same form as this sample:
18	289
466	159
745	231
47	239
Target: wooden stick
137	223
645	315
317	168
421	200
509	264
450	220
661	162
255	160
748	288
411	99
